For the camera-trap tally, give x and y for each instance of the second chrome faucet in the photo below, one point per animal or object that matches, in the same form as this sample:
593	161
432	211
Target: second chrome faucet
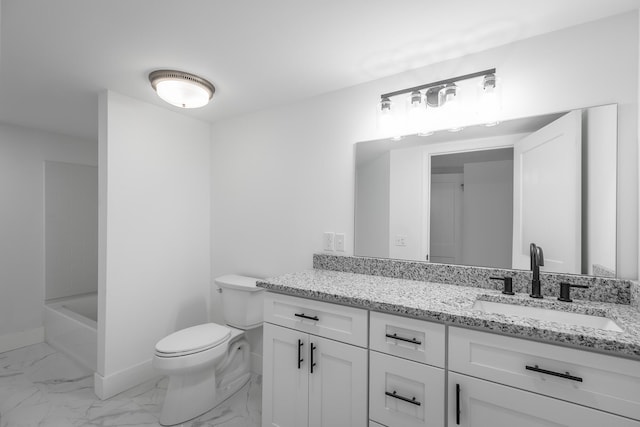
537	260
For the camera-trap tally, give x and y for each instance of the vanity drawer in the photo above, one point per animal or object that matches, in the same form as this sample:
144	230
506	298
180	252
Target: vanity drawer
403	393
412	339
595	380
337	322
474	402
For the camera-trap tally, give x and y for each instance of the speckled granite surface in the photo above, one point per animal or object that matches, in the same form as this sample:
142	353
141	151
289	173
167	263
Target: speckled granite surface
453	305
635	295
601	289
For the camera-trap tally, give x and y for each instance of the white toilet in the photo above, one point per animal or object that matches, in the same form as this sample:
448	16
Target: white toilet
208	363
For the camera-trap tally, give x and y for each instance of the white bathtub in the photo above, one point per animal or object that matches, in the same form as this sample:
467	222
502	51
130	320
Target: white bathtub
70	326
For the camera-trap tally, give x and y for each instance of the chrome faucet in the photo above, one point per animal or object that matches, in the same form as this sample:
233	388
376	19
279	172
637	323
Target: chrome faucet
537	260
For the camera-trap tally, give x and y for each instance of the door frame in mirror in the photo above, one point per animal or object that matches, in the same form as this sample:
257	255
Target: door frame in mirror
440	149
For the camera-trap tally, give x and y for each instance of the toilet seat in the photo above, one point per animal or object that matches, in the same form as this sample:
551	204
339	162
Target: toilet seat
192	340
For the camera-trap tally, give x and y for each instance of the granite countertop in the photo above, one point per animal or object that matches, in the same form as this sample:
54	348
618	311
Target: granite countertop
452	305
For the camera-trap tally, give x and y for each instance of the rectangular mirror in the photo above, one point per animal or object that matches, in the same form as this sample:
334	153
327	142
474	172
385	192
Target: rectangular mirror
480	196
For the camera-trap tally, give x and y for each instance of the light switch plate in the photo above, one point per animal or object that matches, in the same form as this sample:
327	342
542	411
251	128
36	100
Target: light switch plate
400	240
339	242
328	241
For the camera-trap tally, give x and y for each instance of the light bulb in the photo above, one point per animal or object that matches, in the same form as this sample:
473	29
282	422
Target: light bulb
415	98
489	101
182	94
448	94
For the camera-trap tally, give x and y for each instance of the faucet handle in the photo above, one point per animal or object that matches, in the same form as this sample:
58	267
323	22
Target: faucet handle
540	254
565	291
507	286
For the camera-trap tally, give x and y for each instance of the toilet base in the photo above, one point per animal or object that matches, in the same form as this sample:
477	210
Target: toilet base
228	391
193	394
188	396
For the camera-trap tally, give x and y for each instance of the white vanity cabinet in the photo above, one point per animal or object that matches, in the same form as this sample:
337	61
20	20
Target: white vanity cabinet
500	380
476	402
310	378
331	365
406	371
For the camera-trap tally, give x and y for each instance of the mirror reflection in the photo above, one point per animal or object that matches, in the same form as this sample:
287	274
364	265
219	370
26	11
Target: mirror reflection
481	196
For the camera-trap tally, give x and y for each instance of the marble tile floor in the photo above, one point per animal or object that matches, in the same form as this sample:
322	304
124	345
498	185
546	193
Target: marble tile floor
42	387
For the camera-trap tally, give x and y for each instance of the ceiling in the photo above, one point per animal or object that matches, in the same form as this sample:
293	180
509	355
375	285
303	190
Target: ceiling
56	56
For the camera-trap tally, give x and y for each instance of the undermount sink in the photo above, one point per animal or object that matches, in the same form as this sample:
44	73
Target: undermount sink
548	315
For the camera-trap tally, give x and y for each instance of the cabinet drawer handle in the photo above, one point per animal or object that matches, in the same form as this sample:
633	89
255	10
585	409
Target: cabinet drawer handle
458	404
413	400
306	317
566	375
300	360
312	364
396	337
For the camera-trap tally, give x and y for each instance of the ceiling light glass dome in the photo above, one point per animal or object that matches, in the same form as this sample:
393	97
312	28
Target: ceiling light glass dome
181	89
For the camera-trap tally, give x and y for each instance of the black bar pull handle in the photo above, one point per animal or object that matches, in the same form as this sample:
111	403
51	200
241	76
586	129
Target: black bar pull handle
306	317
396	337
313	347
565	375
458	404
300	359
413	400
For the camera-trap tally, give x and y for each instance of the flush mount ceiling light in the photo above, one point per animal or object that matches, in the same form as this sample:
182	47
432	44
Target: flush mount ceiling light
181	89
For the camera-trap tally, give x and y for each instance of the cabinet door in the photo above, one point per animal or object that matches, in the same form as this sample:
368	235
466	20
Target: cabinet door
285	385
337	385
483	403
403	393
608	383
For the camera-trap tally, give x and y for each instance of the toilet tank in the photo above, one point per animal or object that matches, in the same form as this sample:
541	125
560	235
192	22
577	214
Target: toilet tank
241	301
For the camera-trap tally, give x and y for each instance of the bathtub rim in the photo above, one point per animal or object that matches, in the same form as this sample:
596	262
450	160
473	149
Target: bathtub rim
57	305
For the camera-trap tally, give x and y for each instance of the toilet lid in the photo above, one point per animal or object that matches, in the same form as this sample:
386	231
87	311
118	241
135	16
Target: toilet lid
193	339
242	283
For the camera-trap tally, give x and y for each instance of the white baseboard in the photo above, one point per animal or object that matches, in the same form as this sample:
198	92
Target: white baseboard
10	342
110	385
256	363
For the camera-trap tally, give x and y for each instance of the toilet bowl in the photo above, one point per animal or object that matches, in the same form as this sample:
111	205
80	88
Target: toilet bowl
207	363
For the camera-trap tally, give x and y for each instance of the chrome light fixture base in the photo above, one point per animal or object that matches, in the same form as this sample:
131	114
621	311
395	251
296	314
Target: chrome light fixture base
433	96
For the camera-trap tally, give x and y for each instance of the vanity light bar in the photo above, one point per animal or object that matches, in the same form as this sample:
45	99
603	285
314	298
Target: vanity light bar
439	83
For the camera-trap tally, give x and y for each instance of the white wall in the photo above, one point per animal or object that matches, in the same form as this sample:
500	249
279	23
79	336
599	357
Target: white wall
71	229
372	208
599	198
283	176
487	216
154	268
22	155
